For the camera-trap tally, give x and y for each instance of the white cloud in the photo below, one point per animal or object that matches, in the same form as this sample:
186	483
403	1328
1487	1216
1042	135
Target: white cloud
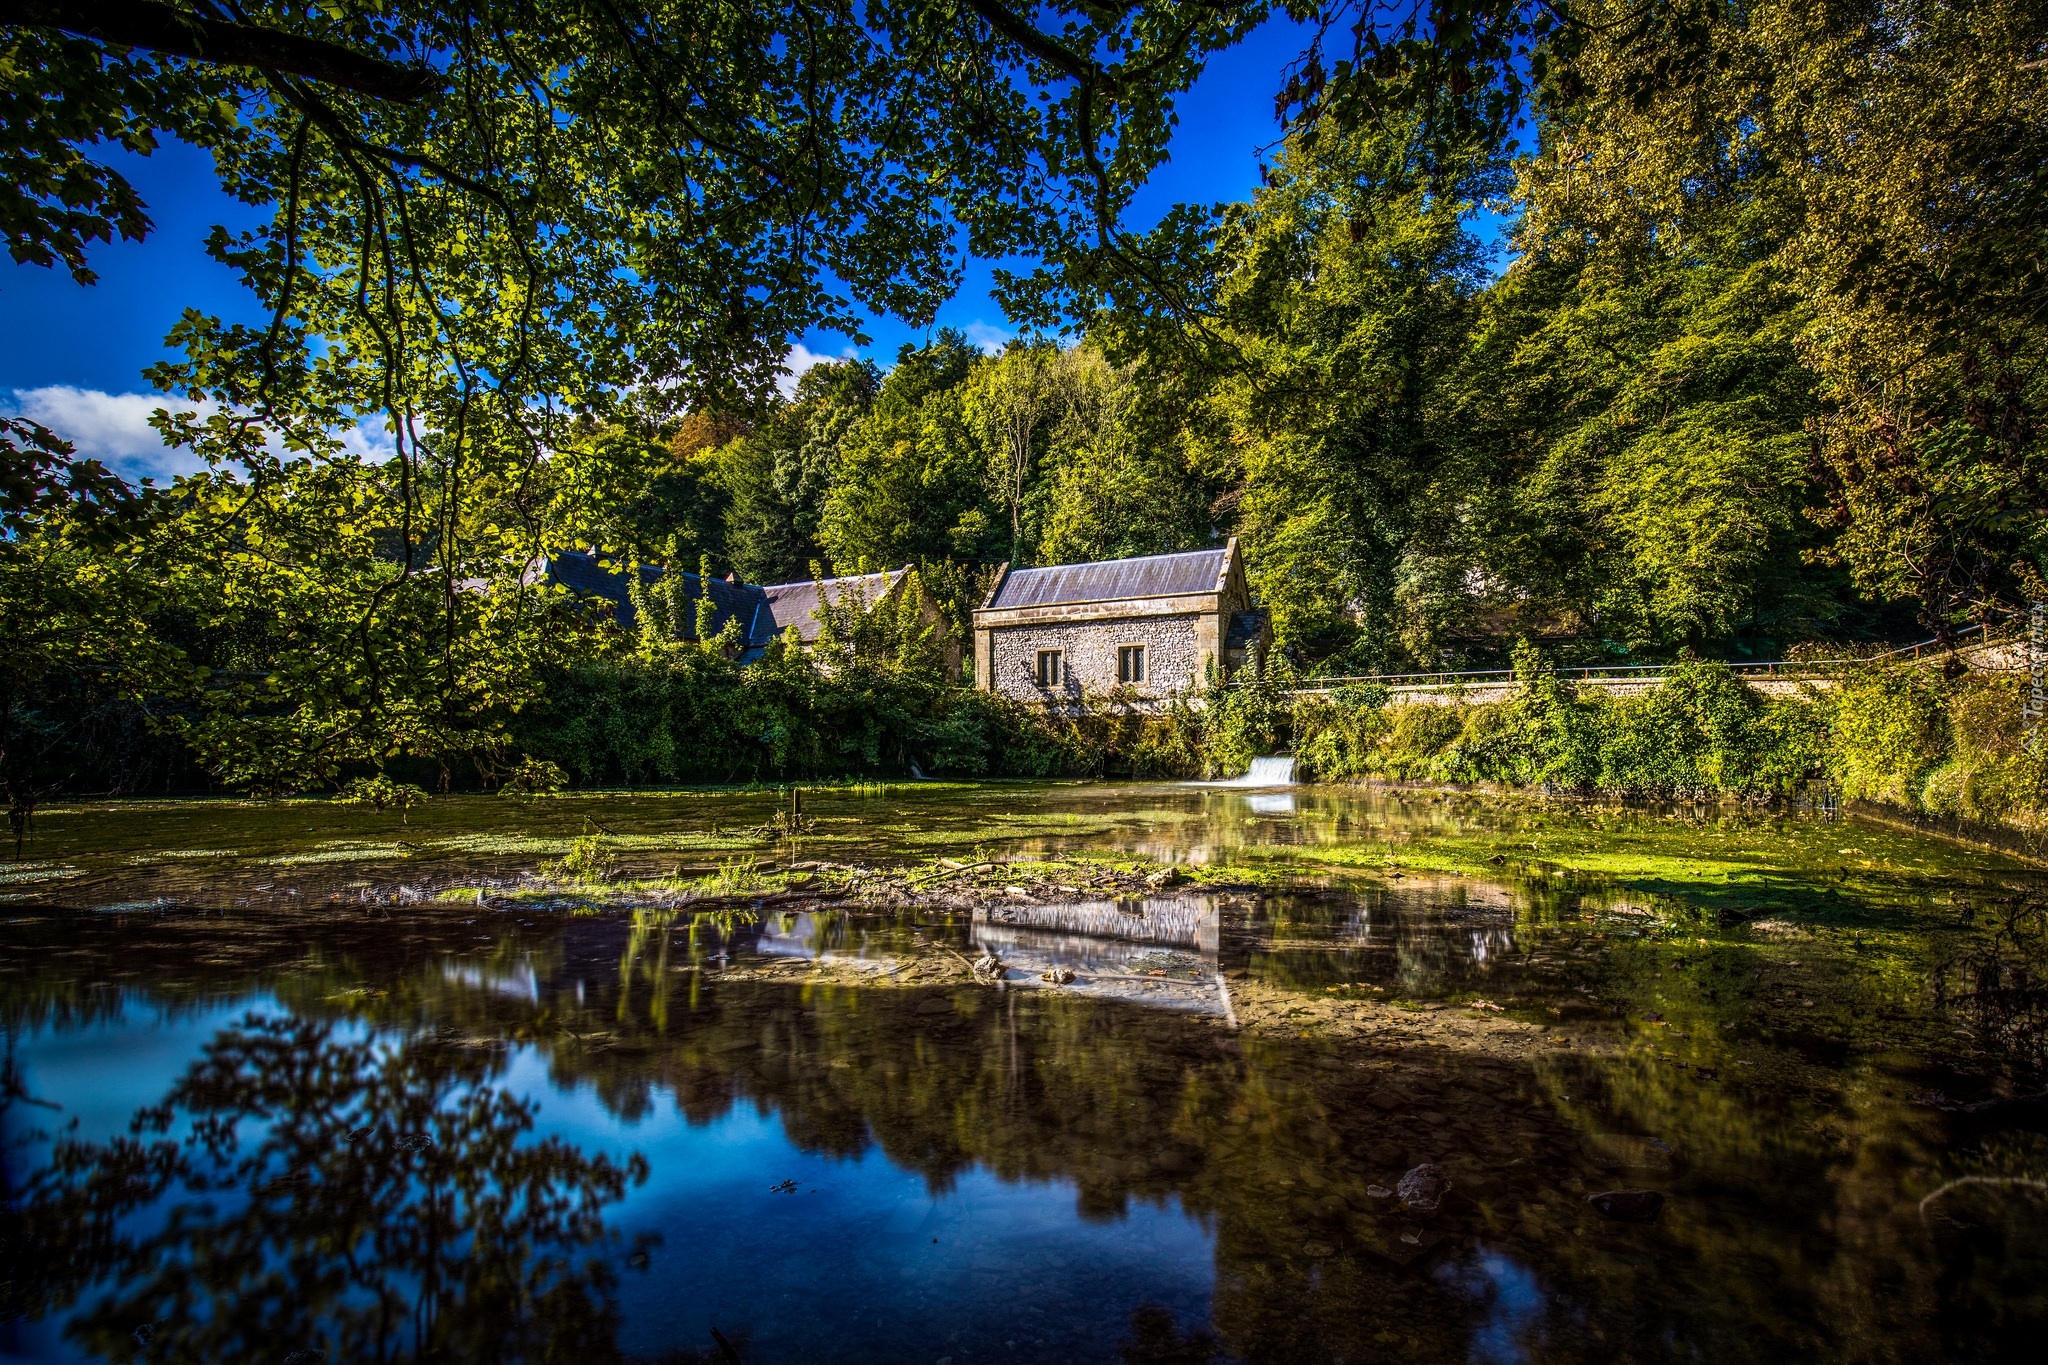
370	439
988	336
114	429
110	427
802	358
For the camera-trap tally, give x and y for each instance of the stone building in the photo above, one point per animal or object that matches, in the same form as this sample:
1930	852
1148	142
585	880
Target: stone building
1154	624
797	604
763	611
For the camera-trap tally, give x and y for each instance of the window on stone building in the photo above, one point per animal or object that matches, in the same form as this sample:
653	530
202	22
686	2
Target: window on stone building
1130	663
1050	670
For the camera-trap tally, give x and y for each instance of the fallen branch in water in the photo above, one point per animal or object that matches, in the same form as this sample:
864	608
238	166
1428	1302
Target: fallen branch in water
2020	1110
953	871
963	961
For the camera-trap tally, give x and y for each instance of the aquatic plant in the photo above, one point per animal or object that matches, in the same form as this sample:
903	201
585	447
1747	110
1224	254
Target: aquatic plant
380	793
589	859
738	876
534	777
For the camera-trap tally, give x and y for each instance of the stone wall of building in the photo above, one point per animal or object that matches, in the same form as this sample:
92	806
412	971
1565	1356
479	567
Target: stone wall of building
1088	648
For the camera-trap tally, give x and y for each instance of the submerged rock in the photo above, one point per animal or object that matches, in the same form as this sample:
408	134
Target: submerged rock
1628	1206
1624	1151
1423	1188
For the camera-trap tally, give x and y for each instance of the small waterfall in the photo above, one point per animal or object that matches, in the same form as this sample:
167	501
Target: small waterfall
1266	772
1276	771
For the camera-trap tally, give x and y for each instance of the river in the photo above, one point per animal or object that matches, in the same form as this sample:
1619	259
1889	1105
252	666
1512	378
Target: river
292	1082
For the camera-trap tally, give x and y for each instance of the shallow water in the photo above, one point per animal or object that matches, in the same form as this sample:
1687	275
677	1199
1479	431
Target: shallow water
294	1106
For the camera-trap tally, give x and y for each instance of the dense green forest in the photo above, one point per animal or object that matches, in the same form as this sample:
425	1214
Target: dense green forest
1756	365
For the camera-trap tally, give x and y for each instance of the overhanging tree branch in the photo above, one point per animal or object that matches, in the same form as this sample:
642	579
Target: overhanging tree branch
163	28
1020	31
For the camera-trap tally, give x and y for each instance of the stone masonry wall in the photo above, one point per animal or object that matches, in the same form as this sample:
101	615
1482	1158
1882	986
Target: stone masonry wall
1089	648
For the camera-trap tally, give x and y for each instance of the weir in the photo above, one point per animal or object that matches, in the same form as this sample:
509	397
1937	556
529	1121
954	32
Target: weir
1276	771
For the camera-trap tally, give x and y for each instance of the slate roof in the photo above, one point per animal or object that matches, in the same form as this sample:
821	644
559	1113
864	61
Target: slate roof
763	612
587	576
796	604
1112	580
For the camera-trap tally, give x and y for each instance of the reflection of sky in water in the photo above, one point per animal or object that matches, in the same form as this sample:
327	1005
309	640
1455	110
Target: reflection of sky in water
100	1073
1513	1302
867	1260
829	936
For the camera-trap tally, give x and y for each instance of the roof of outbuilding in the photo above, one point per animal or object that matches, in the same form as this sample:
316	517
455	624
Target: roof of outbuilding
1112	580
796	604
587	575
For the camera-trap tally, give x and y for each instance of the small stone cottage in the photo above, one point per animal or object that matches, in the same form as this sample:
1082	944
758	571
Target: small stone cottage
1154	624
764	611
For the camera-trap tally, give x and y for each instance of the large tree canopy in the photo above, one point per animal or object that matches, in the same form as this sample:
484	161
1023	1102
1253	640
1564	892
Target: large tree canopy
1887	160
492	222
1767	361
555	199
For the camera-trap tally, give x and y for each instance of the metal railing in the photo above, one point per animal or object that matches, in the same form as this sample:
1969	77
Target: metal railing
1789	669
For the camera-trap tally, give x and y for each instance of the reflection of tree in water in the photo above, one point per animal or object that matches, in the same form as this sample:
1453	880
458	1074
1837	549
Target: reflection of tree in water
1998	981
296	1190
1792	1228
1791	1220
1156	1340
1867	1226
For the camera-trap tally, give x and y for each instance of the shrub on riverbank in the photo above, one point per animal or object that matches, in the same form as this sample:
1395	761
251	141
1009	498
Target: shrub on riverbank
666	714
1904	735
1901	735
1702	733
1951	748
690	715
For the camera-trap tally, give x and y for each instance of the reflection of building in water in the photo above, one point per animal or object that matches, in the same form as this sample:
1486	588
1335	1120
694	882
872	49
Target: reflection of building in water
824	937
1432	929
520	982
1182	921
1422	934
1160	951
1488	944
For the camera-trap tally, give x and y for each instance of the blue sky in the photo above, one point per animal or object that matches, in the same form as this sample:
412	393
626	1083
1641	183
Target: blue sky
73	356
